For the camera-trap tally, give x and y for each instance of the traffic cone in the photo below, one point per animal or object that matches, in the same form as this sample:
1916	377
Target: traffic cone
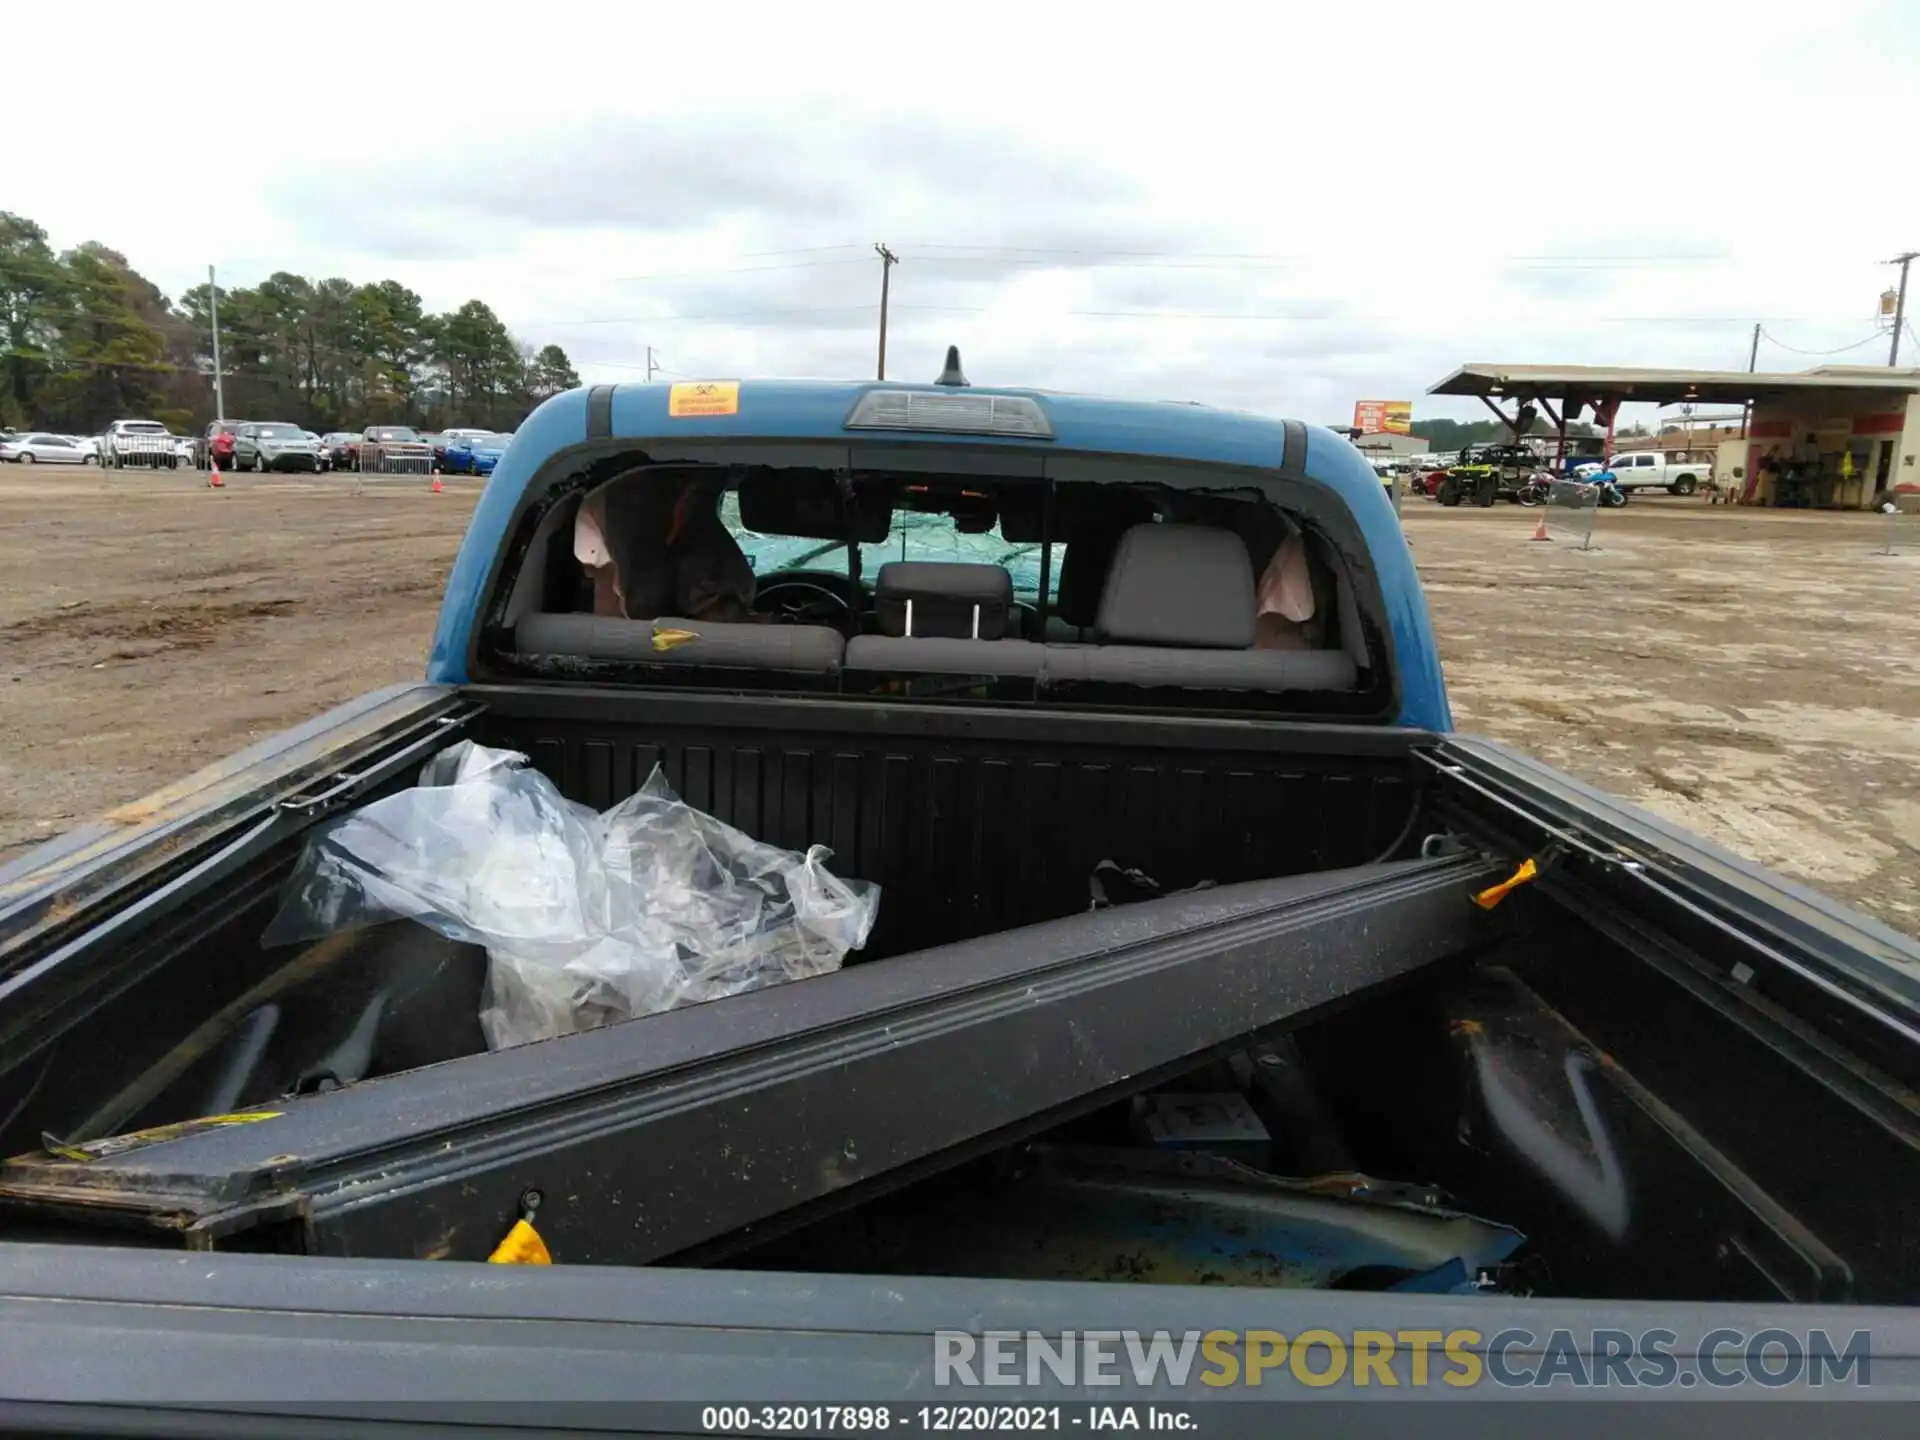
1540	530
436	487
214	482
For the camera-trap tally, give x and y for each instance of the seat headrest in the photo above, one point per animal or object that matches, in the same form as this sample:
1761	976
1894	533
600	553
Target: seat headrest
1184	585
947	601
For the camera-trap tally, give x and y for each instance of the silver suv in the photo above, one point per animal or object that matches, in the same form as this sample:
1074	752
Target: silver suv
269	445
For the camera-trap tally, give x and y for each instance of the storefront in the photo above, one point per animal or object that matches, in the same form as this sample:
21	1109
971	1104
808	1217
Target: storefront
1836	450
1839	437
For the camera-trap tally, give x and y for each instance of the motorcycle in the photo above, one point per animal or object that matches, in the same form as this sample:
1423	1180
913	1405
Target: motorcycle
1539	488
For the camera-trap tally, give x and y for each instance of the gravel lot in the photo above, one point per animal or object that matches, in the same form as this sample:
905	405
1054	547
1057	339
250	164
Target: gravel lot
1750	674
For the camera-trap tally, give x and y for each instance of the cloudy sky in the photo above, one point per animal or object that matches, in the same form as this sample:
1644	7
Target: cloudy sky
1276	208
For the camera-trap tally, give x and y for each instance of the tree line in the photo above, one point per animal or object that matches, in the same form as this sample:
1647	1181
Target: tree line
85	339
1447	436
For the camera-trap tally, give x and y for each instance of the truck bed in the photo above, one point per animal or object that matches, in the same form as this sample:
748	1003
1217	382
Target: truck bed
1639	1087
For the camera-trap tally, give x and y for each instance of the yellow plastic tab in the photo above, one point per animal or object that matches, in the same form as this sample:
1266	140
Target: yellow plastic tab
1494	894
523	1246
668	638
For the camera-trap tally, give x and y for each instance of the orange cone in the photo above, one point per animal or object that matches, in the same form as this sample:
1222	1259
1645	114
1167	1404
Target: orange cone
436	487
1540	530
214	482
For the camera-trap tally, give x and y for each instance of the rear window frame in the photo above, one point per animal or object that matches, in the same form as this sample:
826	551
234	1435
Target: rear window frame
585	466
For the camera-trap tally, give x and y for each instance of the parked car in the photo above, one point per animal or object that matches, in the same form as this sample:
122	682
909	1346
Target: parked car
215	445
261	445
339	449
138	443
443	441
474	454
186	449
42	448
1677	473
1658	1088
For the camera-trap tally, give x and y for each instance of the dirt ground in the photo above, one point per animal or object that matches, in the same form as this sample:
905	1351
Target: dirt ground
1750	674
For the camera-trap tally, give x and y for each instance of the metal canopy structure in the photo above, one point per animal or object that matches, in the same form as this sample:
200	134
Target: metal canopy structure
1535	389
1597	384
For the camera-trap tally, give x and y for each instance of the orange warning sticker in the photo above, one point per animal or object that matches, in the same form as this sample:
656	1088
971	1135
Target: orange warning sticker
704	397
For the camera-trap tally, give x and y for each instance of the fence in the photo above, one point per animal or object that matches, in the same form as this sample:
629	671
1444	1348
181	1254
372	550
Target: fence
1570	510
1902	528
395	457
138	449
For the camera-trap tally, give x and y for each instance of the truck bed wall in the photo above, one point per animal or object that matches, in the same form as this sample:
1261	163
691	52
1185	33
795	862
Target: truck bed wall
971	819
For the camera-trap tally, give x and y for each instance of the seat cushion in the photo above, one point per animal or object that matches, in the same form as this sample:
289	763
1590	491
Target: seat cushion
917	655
1268	671
672	641
1185	585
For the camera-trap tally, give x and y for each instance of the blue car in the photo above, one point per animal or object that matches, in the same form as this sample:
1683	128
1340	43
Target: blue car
475	454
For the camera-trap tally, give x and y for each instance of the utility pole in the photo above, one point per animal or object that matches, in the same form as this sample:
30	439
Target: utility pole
219	389
1753	362
887	261
651	367
1900	305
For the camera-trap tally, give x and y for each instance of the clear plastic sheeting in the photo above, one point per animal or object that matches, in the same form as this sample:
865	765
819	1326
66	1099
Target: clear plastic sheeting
588	918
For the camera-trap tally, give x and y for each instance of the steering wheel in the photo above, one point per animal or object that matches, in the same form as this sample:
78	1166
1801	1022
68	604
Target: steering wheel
812	602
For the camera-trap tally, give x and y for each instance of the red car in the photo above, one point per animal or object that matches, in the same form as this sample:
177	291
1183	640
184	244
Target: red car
215	449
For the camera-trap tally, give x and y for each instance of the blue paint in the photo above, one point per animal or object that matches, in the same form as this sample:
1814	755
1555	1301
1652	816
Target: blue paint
817	410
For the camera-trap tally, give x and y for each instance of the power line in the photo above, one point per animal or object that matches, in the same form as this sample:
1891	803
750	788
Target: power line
732	270
989	251
718	315
1837	350
801	250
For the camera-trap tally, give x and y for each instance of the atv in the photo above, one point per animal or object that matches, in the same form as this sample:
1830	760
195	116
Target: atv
1487	473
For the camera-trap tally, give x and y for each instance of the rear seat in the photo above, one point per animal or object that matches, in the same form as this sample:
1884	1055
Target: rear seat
944	619
811	649
1178	609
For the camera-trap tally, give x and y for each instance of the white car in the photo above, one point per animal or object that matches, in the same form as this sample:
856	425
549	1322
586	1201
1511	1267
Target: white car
138	442
41	448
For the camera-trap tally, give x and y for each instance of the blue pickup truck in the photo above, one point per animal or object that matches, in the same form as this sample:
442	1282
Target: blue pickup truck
1216	982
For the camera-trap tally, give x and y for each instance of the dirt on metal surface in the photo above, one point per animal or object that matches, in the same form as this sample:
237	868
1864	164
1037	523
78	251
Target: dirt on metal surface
1750	674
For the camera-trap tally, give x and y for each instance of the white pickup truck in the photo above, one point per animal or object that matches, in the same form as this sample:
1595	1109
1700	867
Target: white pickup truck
1678	472
138	442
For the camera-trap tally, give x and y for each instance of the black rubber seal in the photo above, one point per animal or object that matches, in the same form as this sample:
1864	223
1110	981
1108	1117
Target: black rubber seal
1293	461
600	413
